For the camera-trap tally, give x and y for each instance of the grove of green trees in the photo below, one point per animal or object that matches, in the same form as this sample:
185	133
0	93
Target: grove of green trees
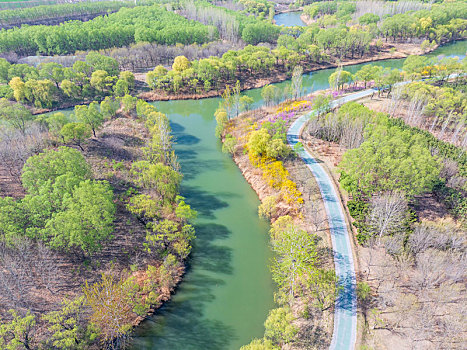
127	26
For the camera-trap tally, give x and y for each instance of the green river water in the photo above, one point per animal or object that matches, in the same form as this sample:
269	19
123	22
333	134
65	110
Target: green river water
227	291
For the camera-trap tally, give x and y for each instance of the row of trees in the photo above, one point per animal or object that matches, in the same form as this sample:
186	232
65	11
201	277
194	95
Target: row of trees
128	25
51	84
25	15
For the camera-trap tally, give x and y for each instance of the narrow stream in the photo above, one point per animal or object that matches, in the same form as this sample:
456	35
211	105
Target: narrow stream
227	291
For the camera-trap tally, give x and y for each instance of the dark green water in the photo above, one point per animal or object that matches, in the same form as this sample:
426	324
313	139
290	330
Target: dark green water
227	292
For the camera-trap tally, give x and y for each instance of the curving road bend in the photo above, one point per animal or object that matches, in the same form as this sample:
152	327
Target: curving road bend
345	315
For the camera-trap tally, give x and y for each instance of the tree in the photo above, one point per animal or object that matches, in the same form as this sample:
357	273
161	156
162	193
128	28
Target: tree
228	146
19	89
70	89
19	332
279	327
322	104
109	107
258	141
259	344
68	326
87	218
268	93
90	115
76	133
102	81
184	211
112	308
101	62
246	102
389	160
51	164
368	18
157	177
366	74
15	114
297	82
323	287
387	214
296	258
51	71
181	63
339	78
121	88
260	32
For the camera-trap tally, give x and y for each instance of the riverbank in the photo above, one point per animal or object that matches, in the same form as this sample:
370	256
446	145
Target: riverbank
248	82
315	325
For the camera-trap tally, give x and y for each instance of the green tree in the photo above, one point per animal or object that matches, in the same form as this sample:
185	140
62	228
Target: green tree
68	326
181	63
389	160
90	115
51	164
109	107
279	327
323	287
101	62
19	332
15	114
296	258
339	78
75	133
259	344
158	177
102	81
87	218
183	210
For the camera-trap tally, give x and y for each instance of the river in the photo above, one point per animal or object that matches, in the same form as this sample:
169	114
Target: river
227	291
289	19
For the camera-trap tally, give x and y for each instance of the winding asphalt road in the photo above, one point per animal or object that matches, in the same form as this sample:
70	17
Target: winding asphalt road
345	316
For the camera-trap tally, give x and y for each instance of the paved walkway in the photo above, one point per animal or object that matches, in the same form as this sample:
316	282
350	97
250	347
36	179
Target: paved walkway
345	318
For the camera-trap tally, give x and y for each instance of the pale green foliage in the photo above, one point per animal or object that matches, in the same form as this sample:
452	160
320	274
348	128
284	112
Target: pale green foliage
281	224
15	114
258	141
183	210
19	332
181	63
279	327
339	78
276	148
389	160
75	133
229	144
68	326
159	177
55	122
143	205
86	220
221	119
90	115
109	107
51	164
296	258
323	288
267	208
259	344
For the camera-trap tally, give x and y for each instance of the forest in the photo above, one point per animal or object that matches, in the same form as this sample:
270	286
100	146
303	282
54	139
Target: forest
125	223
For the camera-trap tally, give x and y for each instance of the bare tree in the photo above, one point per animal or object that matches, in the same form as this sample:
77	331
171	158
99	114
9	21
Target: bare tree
387	214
